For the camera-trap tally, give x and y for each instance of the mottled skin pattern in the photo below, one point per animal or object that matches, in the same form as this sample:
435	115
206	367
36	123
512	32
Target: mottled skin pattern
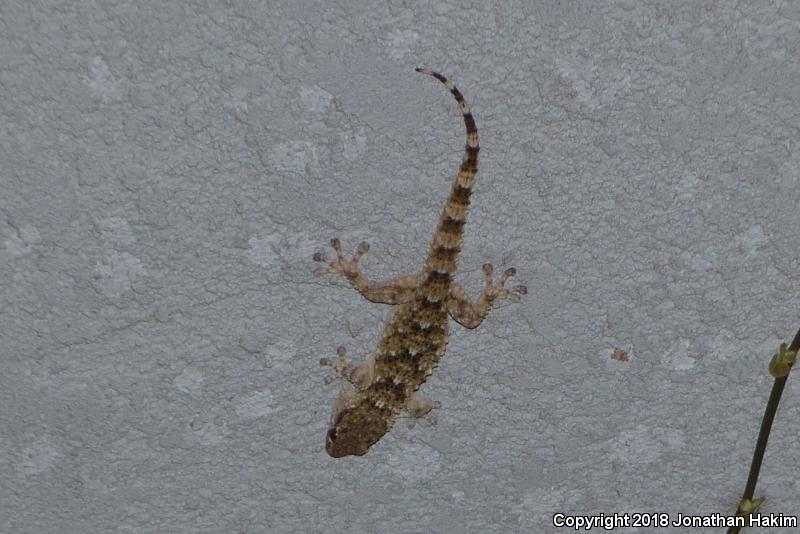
415	337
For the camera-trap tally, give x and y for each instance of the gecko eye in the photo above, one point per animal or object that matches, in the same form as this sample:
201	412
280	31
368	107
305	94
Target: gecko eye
332	434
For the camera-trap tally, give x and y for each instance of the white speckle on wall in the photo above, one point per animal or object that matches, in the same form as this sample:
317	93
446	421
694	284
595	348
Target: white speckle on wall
597	88
116	232
295	157
255	404
644	444
207	429
190	381
273	250
315	99
354	144
39	457
100	80
752	240
677	356
113	275
22	240
401	42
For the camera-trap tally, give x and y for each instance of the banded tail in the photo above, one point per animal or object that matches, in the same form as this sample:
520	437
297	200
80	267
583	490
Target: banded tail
442	259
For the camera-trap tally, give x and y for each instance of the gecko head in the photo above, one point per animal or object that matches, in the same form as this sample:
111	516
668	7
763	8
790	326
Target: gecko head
353	432
337	447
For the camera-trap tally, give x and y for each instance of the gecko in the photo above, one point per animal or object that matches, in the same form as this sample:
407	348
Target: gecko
414	338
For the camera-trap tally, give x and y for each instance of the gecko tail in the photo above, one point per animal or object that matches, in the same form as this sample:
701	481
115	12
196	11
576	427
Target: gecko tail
442	259
472	146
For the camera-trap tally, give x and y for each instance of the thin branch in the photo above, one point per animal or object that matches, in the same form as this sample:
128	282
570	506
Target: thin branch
780	367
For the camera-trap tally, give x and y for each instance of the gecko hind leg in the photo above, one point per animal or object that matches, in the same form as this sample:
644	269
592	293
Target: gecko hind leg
394	291
470	314
358	374
418	407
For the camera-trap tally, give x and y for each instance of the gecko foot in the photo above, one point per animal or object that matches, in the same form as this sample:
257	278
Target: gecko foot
341	265
495	289
356	374
418	407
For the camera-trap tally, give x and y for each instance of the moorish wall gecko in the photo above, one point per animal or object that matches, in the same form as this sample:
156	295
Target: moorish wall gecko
414	338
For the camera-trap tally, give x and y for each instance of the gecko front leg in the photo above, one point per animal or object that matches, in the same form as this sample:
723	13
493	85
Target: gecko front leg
395	291
471	314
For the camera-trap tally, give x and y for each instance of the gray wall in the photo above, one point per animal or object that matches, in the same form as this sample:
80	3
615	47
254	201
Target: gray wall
168	170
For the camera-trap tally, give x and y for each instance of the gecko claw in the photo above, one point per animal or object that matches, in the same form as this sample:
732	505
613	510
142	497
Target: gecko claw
341	265
495	289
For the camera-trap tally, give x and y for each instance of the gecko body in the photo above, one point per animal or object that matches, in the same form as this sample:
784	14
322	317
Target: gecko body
415	337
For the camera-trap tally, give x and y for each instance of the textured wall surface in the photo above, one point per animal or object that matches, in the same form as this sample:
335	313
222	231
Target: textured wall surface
167	171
